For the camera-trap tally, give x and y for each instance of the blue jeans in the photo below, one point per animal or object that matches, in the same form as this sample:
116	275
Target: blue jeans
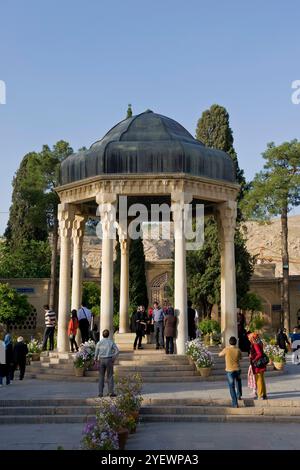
235	386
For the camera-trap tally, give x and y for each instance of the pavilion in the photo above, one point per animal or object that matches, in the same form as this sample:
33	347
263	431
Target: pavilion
147	157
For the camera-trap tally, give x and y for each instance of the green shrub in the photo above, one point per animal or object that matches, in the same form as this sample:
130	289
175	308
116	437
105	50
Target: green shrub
208	326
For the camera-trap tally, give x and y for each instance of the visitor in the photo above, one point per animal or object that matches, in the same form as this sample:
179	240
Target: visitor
258	361
9	356
150	327
84	317
244	343
106	353
295	344
139	325
158	322
191	312
233	356
50	322
282	340
170	323
72	330
95	335
20	353
2	363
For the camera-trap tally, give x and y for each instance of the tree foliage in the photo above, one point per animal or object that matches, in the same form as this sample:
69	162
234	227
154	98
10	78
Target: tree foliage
214	131
137	276
203	266
204	269
277	186
27	216
91	296
30	259
14	307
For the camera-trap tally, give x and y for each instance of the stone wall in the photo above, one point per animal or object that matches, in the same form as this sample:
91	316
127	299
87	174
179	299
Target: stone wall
37	293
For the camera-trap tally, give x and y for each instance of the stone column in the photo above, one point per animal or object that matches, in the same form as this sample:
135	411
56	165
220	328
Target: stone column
226	218
107	211
124	280
77	235
65	218
180	286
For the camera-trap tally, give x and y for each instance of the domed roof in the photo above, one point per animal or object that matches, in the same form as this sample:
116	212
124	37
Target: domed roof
147	143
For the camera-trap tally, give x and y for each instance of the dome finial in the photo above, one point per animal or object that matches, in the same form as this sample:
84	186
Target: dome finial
129	111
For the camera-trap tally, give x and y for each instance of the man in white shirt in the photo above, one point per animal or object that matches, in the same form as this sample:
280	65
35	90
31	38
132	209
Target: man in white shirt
84	317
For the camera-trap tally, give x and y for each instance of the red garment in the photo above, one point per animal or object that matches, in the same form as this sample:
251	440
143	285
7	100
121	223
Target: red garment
72	326
256	352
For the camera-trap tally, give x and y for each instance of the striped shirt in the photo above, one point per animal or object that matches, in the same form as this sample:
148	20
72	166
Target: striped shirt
50	319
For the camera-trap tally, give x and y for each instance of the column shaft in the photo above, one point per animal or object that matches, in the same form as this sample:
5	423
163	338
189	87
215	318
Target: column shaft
180	284
78	233
124	287
65	221
107	212
226	224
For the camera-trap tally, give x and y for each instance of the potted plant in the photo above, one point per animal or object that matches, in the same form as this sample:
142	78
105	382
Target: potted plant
201	356
99	436
210	330
88	351
34	349
278	358
79	364
109	413
129	397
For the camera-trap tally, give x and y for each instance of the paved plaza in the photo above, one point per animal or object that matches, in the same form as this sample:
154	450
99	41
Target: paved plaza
186	435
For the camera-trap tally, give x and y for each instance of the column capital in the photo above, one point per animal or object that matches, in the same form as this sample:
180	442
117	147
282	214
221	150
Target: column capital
106	198
78	229
65	215
181	197
226	215
107	211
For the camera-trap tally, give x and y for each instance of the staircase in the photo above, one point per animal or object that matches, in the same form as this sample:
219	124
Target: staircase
77	410
153	365
201	410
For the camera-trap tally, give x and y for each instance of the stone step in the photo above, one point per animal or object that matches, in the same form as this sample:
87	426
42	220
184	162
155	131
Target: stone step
47	410
219	410
94	378
212	402
219	418
43	419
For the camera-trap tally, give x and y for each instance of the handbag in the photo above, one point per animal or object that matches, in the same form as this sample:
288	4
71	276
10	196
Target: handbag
261	362
71	336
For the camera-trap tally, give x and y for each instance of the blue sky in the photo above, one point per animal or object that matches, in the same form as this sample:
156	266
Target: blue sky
71	67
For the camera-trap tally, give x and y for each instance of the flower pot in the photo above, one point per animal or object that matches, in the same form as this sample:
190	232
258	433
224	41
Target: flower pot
135	415
204	371
191	361
79	371
122	436
35	356
278	365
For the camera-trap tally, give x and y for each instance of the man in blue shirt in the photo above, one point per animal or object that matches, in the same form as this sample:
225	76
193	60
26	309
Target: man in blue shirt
106	353
158	321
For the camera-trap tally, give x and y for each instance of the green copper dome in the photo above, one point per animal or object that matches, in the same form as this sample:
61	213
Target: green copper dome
147	143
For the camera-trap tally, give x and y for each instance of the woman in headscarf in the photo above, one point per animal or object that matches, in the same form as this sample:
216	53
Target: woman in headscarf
20	353
256	359
2	362
7	370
